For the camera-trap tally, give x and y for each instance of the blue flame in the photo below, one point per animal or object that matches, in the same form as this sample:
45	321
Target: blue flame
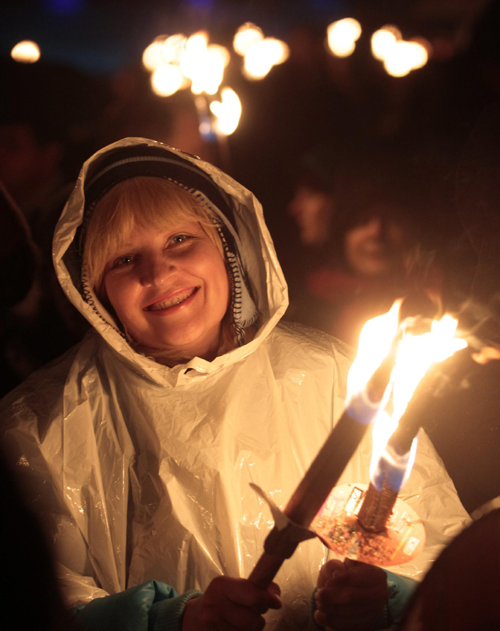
391	470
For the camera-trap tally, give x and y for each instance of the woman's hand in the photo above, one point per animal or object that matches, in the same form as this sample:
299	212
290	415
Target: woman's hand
230	604
350	595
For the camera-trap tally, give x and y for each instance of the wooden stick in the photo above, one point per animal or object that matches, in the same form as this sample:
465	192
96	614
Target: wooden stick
308	498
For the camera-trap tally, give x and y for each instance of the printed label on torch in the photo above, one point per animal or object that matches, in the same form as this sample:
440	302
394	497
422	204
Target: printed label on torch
337	526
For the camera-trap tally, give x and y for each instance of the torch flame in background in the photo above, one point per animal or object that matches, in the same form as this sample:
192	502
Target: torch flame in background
404	57
262	56
167	79
204	64
25	52
179	61
162	59
399	57
246	36
172	48
383	39
413	356
260	53
163	50
342	36
152	57
227	112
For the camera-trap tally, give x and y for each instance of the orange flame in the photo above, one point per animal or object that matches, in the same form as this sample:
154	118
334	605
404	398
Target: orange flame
413	355
375	341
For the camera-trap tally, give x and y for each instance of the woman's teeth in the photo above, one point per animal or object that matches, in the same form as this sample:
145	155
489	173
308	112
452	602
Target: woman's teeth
165	304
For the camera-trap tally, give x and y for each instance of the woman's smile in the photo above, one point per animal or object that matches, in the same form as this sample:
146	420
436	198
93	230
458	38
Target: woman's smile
165	305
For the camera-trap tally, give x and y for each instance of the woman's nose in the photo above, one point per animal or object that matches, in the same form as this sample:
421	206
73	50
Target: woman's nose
156	271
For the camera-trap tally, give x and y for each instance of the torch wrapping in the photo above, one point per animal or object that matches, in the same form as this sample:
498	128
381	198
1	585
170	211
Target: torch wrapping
378	502
383	491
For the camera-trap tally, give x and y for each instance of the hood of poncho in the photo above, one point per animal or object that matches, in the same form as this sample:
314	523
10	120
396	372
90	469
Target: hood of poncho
257	278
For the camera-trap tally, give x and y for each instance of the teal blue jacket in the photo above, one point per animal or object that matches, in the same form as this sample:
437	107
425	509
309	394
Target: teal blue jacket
152	606
155	606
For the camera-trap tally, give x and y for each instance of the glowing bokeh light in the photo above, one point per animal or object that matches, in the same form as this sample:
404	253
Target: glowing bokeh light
197	43
167	80
383	40
420	53
342	36
261	57
277	50
26	52
397	66
256	65
246	36
163	50
172	48
400	57
152	57
227	112
195	49
219	54
203	64
177	61
404	57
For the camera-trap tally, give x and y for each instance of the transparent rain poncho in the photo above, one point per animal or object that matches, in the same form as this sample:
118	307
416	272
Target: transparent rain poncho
143	472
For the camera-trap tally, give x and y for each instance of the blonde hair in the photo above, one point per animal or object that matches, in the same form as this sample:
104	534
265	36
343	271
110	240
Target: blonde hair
144	201
153	203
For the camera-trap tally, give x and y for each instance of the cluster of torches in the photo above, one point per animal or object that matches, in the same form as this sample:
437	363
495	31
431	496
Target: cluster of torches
179	62
398	56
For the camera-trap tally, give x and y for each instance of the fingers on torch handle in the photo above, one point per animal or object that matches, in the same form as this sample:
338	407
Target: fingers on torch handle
265	570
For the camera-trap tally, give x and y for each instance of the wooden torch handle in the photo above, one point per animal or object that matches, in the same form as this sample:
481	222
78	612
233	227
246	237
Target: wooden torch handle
308	497
265	570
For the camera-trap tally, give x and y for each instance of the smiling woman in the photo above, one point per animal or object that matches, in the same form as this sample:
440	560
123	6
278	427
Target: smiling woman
154	255
139	445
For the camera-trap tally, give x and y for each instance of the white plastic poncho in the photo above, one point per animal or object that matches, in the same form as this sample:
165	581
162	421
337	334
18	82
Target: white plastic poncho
142	471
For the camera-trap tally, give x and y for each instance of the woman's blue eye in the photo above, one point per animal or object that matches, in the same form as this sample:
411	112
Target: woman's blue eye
179	238
123	260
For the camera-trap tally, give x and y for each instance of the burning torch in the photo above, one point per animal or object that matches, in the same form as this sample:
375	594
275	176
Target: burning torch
391	361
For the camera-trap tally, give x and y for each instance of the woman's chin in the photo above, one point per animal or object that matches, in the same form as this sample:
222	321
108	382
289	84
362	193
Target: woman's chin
182	347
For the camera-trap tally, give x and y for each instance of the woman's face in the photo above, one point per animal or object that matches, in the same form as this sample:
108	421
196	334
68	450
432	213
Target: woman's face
170	289
312	211
375	247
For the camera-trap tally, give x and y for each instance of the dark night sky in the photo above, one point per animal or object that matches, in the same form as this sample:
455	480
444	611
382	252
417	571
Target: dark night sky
102	36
